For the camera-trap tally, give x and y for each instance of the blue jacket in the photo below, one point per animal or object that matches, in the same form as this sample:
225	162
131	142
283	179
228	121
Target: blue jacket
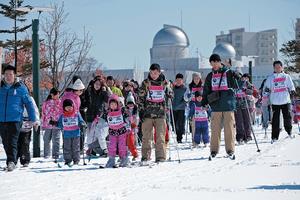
12	102
74	131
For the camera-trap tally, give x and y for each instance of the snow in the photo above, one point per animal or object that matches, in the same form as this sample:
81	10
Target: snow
271	174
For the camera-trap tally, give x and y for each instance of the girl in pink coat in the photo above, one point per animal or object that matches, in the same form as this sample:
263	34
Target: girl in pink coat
51	112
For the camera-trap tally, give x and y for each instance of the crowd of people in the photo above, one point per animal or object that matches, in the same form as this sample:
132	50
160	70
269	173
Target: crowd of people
114	118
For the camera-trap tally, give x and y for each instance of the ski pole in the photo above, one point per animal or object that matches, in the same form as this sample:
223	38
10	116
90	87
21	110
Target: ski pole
186	132
89	158
83	156
250	118
169	130
172	118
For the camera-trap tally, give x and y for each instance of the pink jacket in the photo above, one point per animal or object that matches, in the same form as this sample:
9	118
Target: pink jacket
75	98
50	109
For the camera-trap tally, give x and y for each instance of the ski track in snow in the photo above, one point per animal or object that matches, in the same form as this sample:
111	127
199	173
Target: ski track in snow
272	173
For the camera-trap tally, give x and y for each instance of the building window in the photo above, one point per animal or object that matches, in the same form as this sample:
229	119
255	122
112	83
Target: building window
238	38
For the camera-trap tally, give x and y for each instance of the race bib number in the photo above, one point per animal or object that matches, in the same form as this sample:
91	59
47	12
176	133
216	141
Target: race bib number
115	120
279	85
200	114
156	94
70	122
216	80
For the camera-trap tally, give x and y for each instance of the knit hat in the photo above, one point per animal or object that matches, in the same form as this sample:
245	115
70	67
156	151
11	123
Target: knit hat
114	98
198	94
179	75
130	98
67	102
196	74
78	85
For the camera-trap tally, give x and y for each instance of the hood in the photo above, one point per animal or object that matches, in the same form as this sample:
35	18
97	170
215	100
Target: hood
116	98
130	98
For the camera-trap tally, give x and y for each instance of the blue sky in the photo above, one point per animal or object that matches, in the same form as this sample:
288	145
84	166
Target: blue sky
123	30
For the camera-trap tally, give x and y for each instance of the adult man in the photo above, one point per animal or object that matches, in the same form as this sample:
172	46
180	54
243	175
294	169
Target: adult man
111	84
179	105
152	105
13	97
280	86
219	93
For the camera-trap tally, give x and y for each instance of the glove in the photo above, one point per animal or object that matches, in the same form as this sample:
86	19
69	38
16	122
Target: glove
53	123
189	95
293	93
133	125
267	90
83	126
237	75
36	125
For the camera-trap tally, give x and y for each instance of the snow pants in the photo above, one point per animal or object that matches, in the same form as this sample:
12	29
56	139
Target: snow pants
287	119
54	135
23	147
117	142
160	148
179	118
218	119
10	132
71	149
266	115
243	124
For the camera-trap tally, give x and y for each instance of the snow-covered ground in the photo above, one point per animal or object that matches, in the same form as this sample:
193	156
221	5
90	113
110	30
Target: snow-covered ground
274	173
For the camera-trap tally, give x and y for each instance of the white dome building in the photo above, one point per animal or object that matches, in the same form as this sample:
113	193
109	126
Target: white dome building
225	51
170	50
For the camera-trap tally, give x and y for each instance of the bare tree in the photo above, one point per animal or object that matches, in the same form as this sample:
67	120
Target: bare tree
65	51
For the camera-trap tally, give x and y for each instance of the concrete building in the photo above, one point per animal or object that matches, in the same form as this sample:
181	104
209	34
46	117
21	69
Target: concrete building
262	44
297	29
170	50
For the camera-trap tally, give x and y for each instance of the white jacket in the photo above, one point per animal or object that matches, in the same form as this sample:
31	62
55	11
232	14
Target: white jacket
280	86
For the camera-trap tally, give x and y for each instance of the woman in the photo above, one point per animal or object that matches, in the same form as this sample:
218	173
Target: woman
189	96
95	97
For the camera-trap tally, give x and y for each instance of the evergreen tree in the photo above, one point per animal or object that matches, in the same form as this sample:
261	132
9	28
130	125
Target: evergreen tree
291	53
10	11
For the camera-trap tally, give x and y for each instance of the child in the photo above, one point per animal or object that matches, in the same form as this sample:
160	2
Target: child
117	123
131	109
200	120
25	136
97	140
71	121
50	111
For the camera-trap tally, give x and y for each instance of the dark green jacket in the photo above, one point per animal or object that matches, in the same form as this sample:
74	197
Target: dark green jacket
227	101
